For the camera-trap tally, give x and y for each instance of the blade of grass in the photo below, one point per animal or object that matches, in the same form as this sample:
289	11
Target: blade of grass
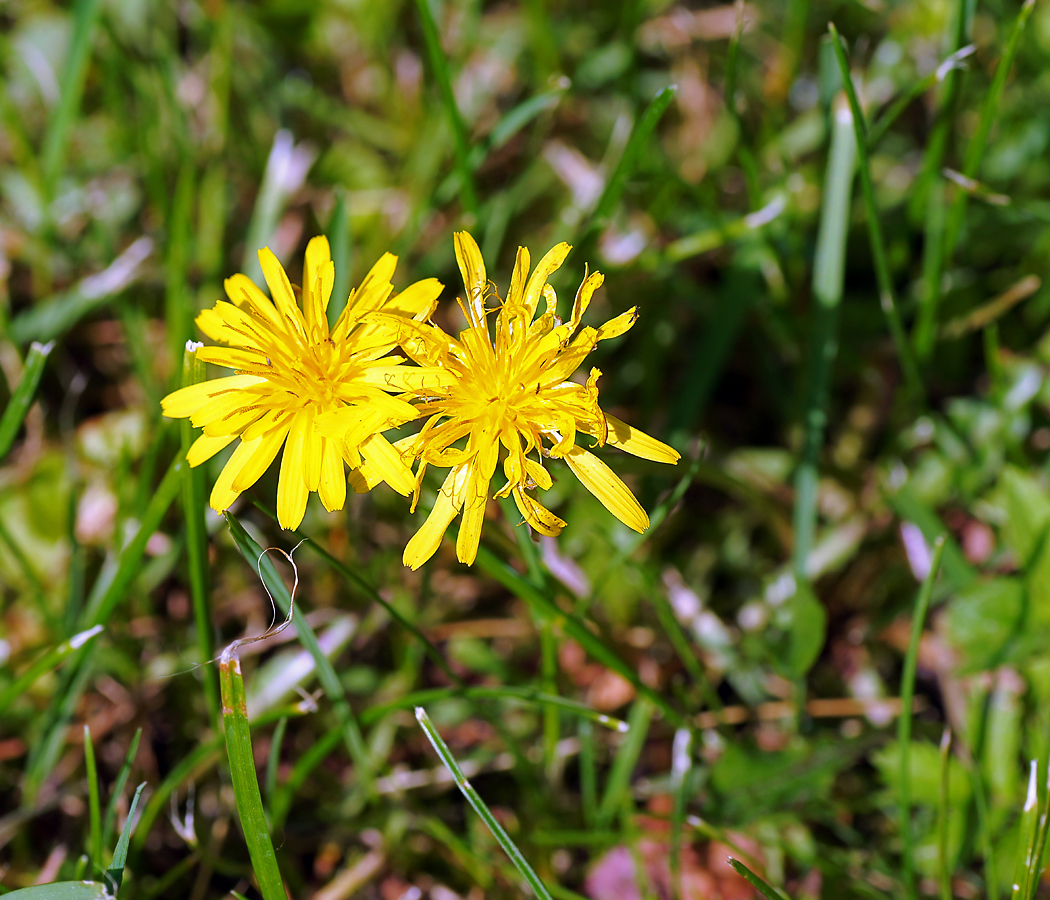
681	769
979	142
178	304
1035	868
284	794
326	674
828	266
62	890
878	245
369	591
474	799
588	773
618	784
339	240
22	397
922	605
571	626
930	192
273	761
110	818
115	872
245	782
1027	834
71	90
460	141
47	663
193	506
759	884
944	875
627	163
94	804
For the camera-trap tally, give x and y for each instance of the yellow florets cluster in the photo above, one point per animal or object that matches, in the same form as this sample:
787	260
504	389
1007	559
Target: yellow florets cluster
327	395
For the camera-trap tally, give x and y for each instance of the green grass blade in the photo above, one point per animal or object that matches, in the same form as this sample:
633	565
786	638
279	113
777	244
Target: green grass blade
71	90
273	761
930	192
573	627
51	318
474	799
47	663
94	804
193	506
1027	834
22	397
62	890
1038	852
878	244
759	884
326	674
828	267
108	592
339	240
628	162
110	818
989	110
460	141
525	112
304	765
245	782
681	770
588	773
179	307
115	872
911	661
618	785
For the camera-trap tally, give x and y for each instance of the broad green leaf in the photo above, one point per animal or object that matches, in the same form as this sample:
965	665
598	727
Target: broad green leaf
983	618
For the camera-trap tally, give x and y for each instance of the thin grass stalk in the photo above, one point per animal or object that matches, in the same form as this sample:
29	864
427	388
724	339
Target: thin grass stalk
878	244
681	770
474	799
94	803
22	397
979	142
460	141
339	239
284	794
984	832
944	874
911	660
588	773
616	788
70	93
115	872
193	506
47	663
1029	830
759	884
326	674
273	761
110	818
178	304
828	267
1035	869
931	193
245	782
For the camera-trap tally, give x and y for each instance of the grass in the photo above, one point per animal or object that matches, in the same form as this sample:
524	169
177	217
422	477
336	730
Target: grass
746	701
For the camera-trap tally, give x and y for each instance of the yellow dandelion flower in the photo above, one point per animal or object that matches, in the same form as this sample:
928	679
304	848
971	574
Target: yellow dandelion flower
291	370
513	392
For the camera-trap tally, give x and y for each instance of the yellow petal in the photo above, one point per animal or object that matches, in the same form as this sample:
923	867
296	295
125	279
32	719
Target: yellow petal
291	489
281	291
475	500
550	263
537	515
332	488
425	542
186	401
387	463
601	481
418	300
223	493
232	357
311	453
639	443
622	323
204	448
516	294
318	265
264	449
246	294
583	297
233	422
475	279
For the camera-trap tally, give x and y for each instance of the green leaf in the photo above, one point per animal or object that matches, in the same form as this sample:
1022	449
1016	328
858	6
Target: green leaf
983	619
115	872
22	398
803	625
62	890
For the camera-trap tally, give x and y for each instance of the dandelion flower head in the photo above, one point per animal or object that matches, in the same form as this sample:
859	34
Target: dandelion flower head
290	370
510	395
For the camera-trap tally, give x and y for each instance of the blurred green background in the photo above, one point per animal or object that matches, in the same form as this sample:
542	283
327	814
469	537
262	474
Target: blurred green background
147	150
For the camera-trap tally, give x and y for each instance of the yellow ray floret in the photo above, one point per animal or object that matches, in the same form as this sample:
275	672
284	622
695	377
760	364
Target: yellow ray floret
508	395
293	375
